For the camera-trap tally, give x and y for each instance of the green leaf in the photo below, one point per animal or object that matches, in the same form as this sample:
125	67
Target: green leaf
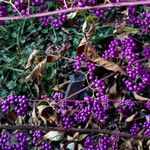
130	30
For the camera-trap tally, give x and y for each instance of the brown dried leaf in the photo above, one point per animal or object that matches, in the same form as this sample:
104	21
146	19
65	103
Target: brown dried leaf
31	59
12	116
34	117
128	145
45	111
83	42
37	71
131	118
113	89
53	58
141	98
92	55
39	59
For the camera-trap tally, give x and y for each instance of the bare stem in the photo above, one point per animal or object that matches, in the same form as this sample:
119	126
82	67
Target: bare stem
70	130
143	2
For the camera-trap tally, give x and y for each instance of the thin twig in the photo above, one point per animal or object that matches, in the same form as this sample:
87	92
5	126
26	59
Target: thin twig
70	130
140	60
121	4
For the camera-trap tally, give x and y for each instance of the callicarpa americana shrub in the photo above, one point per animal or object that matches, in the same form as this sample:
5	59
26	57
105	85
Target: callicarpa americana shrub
74	75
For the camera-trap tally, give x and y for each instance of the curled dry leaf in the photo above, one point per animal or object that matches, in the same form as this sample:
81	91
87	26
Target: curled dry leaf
53	136
92	55
140	98
47	113
31	59
37	71
83	42
131	118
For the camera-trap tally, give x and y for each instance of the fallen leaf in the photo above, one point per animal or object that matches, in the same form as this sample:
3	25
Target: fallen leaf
128	145
37	71
31	59
12	116
34	117
53	136
45	111
131	118
86	38
140	145
71	146
113	89
39	59
72	15
140	98
53	58
92	55
80	147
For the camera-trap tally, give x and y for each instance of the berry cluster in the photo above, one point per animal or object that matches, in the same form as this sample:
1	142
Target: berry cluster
37	136
57	21
126	106
3	11
100	86
122	49
20	104
114	140
91	67
57	96
146	51
21	140
146	126
22	7
134	129
113	50
67	122
4	139
104	143
79	62
84	114
139	77
139	19
39	142
98	112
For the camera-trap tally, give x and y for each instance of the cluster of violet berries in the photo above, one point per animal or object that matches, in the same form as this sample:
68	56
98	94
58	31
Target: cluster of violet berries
104	143
139	76
80	61
141	20
146	51
57	96
19	104
146	126
21	138
38	142
135	129
3	11
22	7
67	122
125	49
126	105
